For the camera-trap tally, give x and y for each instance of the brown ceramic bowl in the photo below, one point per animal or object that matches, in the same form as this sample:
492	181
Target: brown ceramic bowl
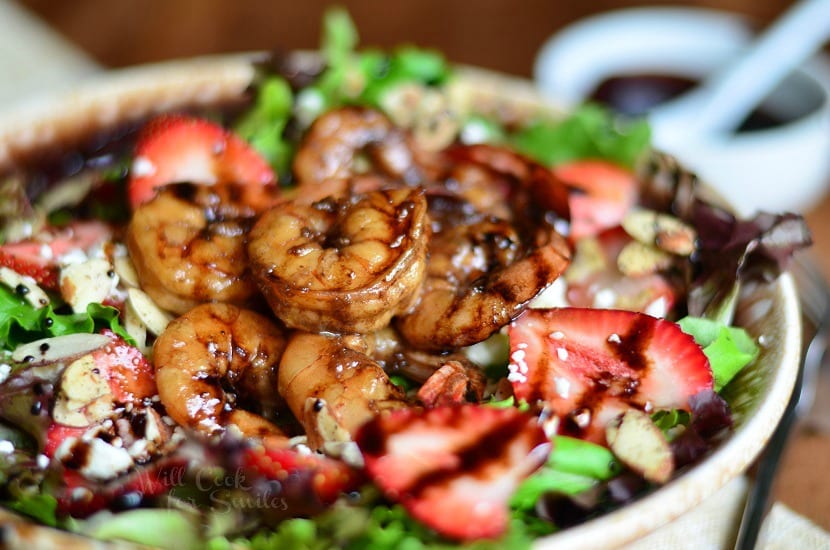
770	311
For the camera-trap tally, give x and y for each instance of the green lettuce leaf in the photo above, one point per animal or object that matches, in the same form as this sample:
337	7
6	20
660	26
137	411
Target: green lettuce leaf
590	132
264	124
574	466
20	322
729	349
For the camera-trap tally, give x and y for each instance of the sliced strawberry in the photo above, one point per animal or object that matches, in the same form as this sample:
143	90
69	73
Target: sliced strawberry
40	257
57	434
454	468
130	375
600	195
606	287
80	497
177	148
588	365
327	478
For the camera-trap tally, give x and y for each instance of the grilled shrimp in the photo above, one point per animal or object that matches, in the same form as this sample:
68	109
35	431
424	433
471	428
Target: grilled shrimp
325	381
341	139
478	278
344	264
187	245
214	360
484	268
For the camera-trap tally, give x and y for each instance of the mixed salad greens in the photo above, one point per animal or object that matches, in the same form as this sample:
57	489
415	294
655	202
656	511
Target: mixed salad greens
579	479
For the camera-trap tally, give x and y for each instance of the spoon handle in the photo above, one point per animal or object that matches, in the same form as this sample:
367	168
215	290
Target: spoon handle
725	99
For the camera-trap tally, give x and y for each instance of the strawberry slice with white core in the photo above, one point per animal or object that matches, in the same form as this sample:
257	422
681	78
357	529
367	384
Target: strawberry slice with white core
600	194
41	256
454	468
177	149
589	365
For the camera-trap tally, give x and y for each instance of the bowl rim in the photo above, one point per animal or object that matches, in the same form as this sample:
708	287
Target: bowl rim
134	92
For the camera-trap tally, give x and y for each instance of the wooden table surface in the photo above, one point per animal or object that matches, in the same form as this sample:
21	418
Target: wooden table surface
498	34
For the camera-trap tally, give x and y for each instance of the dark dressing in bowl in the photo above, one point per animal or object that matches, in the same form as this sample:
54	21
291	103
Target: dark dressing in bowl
635	95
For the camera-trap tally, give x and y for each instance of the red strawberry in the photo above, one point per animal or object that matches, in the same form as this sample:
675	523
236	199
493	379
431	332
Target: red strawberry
600	195
57	434
80	497
328	478
39	257
588	365
177	148
454	468
607	287
130	375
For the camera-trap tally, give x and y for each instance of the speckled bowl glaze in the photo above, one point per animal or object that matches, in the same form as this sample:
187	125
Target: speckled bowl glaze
769	312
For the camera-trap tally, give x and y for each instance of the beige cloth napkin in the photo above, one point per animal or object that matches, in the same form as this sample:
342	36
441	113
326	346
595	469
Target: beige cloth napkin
713	524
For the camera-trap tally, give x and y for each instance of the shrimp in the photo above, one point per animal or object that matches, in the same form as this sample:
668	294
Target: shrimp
342	265
341	139
187	245
324	378
215	359
485	268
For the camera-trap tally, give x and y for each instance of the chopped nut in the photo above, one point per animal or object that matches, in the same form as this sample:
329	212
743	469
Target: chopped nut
637	259
639	444
661	230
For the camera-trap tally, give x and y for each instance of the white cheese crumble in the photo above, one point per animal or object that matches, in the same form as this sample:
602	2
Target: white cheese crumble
658	308
142	167
605	298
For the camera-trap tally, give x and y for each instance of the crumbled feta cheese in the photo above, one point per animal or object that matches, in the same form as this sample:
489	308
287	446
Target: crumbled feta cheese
6	447
105	461
5	371
563	386
658	308
142	167
615	338
555	295
87	282
605	298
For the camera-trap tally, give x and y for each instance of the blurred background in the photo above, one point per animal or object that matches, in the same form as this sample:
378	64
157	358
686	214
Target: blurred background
503	35
499	34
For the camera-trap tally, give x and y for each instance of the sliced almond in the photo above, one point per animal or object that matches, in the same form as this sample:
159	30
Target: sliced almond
125	270
58	348
639	444
661	230
135	327
153	317
85	397
637	259
588	258
321	424
87	282
30	291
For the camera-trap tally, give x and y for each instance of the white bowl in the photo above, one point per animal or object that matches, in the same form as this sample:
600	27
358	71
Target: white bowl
786	167
759	396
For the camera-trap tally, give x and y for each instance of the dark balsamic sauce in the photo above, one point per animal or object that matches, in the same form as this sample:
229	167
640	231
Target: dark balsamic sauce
635	95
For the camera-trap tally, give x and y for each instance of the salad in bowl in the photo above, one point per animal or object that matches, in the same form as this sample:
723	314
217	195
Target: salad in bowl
367	299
